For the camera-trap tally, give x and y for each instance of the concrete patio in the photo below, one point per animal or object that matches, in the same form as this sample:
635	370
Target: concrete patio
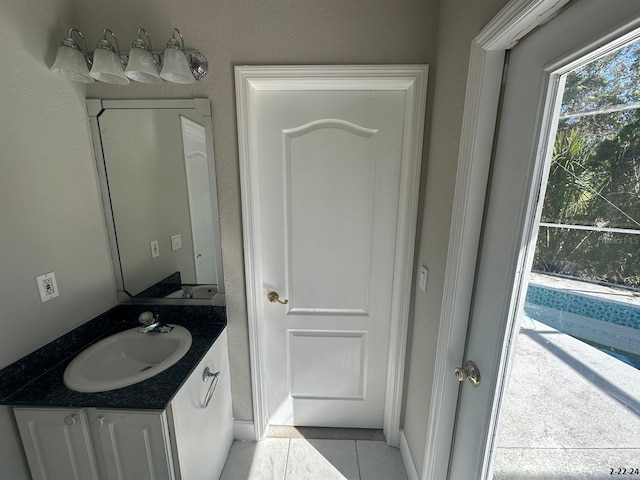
570	411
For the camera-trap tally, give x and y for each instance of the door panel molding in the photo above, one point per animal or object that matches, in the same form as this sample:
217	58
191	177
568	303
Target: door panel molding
306	184
329	123
412	81
347	379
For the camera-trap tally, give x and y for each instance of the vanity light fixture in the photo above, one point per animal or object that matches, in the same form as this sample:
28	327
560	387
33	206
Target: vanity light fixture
107	66
175	64
142	67
71	59
176	67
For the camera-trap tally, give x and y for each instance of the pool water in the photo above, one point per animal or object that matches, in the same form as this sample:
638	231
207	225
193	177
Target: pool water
626	357
581	315
603	309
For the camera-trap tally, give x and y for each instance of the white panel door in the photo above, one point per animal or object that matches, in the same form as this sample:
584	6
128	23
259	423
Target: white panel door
201	214
534	77
330	174
329	163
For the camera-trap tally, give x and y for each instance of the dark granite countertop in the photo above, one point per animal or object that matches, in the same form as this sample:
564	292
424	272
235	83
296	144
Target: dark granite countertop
36	380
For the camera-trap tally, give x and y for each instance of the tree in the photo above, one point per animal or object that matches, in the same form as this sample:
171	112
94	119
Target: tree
594	177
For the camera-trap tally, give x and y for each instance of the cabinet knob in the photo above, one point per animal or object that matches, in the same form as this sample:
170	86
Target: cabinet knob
98	421
70	419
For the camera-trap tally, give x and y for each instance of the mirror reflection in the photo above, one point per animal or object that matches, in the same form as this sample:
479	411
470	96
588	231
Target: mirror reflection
161	192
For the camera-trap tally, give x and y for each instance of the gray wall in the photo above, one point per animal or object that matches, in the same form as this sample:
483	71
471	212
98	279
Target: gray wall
50	209
48	184
459	23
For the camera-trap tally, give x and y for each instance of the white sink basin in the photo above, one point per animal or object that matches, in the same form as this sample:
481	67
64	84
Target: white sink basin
194	291
126	358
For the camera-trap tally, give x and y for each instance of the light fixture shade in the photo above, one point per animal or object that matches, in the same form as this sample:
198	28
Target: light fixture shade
141	66
107	67
176	67
70	63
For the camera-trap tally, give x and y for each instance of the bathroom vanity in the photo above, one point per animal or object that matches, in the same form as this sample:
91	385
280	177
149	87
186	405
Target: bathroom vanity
175	425
176	422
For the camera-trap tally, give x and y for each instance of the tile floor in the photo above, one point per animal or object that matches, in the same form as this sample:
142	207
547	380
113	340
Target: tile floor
313	459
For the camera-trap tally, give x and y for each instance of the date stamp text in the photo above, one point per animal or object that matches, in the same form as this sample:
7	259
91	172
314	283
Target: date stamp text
624	471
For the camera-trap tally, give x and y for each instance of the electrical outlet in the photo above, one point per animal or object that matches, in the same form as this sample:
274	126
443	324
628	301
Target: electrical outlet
155	249
47	286
176	242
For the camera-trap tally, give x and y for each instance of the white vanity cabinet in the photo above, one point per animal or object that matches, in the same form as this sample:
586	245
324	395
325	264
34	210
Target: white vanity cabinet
203	434
187	441
57	443
132	444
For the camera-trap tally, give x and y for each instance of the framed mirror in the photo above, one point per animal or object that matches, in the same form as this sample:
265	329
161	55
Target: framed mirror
157	178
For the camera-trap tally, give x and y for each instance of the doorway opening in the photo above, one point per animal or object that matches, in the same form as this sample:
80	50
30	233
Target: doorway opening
571	407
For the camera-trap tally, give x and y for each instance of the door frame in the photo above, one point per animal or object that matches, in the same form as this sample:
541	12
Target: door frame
480	116
412	79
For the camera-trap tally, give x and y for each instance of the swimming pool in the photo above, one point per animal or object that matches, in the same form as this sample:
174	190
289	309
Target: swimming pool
610	326
585	305
626	357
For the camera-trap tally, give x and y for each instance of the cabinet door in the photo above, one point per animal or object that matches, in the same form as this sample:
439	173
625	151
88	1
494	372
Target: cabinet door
131	444
57	443
204	433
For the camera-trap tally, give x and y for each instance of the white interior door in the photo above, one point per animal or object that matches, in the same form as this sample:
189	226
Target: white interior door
530	98
197	171
330	197
329	168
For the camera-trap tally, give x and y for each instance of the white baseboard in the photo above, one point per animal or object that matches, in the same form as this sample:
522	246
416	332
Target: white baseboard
244	430
409	466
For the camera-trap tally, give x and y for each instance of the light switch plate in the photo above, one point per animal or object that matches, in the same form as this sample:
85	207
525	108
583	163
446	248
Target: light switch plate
424	273
155	249
176	242
47	286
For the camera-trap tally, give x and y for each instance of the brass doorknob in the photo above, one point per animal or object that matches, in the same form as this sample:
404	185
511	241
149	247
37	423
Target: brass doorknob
273	297
470	372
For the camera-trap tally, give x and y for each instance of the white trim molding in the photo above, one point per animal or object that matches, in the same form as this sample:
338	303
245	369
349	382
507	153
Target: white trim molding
407	458
244	430
486	64
411	79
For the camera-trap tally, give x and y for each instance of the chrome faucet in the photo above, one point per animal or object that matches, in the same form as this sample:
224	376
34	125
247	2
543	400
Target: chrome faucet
152	324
